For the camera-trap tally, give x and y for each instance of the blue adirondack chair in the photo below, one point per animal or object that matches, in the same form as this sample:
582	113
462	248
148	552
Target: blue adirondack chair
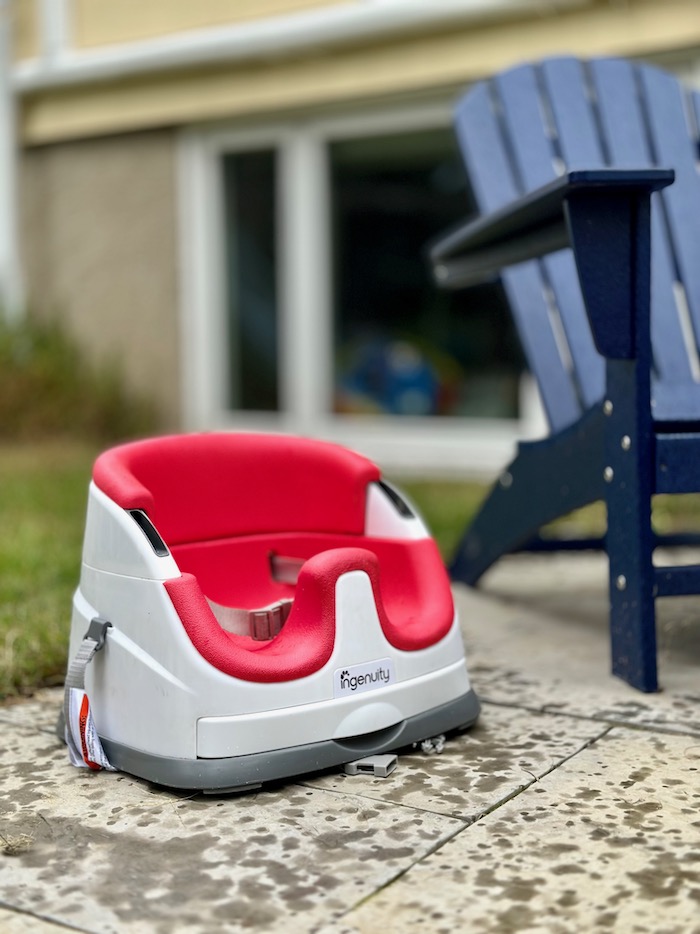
567	161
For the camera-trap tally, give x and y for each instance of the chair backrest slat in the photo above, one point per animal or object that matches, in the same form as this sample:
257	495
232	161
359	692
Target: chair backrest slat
625	125
669	112
496	181
578	137
578	143
531	122
525	124
481	141
505	125
588	365
542	343
522	128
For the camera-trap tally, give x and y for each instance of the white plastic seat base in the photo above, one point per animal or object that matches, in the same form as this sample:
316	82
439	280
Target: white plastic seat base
246	773
369	657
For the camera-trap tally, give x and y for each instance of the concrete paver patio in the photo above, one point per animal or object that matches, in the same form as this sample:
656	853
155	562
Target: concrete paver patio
573	805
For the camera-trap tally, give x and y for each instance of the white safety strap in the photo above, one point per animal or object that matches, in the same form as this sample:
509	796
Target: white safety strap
84	746
285	570
264	623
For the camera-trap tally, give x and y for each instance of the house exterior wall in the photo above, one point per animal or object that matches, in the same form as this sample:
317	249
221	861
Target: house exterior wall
442	60
99	246
25	29
109	96
99	23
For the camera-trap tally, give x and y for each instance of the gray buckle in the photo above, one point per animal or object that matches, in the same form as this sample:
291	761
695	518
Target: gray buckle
97	631
266	623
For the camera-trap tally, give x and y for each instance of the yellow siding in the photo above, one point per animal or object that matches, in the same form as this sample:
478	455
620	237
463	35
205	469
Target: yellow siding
434	62
25	29
103	22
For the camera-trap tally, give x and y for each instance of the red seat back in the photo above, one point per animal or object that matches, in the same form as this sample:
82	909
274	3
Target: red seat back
209	486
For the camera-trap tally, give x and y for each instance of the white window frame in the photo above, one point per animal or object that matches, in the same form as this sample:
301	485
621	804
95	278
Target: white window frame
417	445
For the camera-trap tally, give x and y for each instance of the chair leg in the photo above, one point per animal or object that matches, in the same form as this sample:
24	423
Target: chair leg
632	609
633	621
630	539
547	479
631	588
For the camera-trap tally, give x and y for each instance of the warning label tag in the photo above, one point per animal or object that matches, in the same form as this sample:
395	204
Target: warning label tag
84	746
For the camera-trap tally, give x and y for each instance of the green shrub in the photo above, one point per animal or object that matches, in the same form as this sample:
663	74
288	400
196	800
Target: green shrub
49	389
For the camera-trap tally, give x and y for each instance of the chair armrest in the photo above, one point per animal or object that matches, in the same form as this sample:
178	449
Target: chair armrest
533	226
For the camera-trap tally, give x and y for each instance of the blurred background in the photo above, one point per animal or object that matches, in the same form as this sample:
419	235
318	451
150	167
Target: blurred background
214	215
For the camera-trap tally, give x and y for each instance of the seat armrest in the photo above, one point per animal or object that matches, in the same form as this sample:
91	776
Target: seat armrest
533	226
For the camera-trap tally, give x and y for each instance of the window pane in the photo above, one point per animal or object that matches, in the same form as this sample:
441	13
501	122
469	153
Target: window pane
251	236
403	347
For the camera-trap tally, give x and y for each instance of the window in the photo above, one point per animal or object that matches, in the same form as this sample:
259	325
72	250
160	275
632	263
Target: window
401	346
308	304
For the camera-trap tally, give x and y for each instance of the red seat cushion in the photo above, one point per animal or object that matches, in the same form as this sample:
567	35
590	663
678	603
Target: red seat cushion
415	609
223	502
210	486
412	588
303	646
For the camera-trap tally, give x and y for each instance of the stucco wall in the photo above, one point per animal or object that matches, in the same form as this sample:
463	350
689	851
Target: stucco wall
100	250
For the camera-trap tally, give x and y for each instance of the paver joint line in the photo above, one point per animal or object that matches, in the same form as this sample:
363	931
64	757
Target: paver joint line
26	913
553	710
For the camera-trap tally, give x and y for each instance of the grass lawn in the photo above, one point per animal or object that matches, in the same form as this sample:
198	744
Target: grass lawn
43	494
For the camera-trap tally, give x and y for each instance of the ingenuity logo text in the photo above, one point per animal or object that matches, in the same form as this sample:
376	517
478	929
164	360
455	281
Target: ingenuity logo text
355	679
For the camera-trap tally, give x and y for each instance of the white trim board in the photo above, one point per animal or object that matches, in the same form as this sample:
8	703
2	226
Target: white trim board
304	31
